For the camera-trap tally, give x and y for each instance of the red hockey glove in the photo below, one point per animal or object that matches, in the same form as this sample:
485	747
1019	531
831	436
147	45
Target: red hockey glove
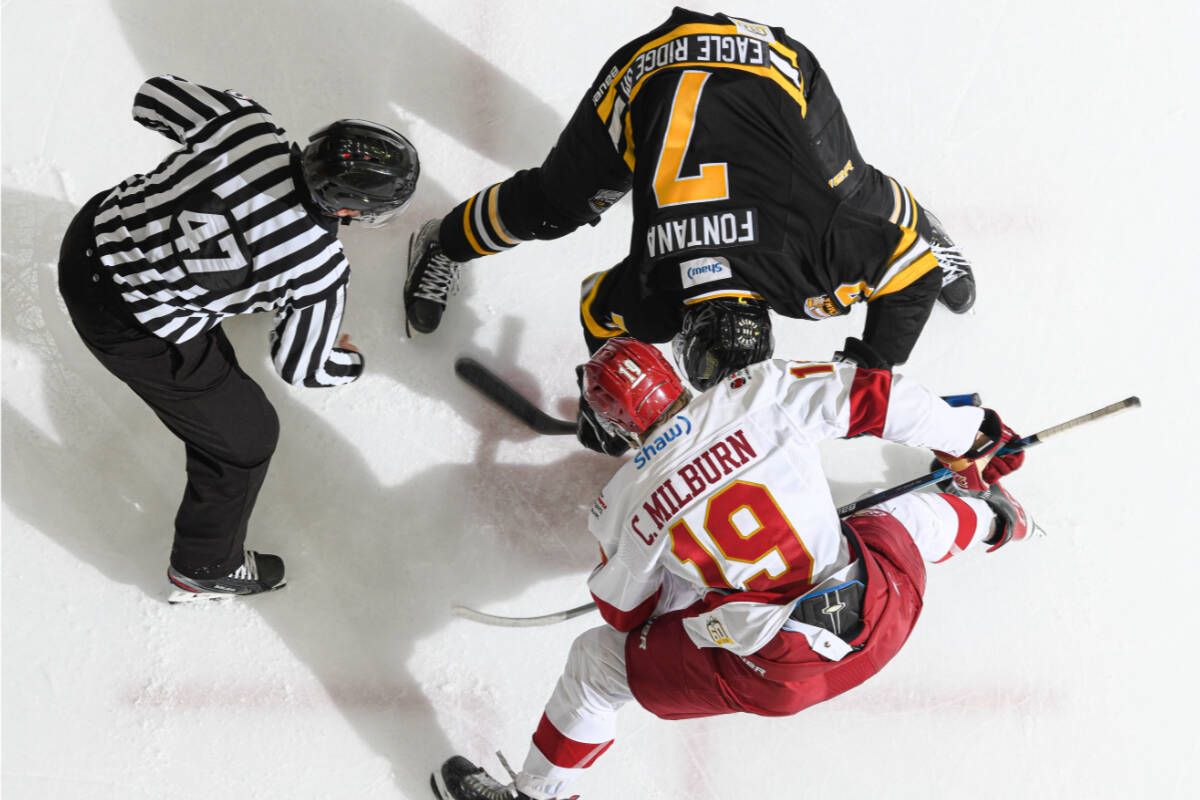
980	466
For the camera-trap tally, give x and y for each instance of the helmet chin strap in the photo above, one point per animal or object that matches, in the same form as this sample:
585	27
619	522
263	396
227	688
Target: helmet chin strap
680	404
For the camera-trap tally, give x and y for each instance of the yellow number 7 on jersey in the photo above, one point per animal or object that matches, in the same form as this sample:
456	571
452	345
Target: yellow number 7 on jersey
671	188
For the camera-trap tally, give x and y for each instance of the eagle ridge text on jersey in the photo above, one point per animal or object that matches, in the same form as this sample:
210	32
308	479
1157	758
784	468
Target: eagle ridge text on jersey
705	48
707	469
662	441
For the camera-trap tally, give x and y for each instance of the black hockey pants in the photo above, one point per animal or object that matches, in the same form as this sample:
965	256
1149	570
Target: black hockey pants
197	389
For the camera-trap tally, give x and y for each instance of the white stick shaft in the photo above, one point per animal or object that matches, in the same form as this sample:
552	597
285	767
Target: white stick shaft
522	622
1054	430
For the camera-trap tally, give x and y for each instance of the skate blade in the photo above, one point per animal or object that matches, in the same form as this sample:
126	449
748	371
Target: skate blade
412	237
439	787
183	596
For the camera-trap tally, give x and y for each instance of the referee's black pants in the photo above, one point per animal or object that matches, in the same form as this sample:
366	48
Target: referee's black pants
197	389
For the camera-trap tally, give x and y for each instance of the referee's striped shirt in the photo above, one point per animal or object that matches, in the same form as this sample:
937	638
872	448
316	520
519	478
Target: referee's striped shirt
220	228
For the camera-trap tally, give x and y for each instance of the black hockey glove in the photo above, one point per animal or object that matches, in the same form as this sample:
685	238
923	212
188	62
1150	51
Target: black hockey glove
590	432
861	354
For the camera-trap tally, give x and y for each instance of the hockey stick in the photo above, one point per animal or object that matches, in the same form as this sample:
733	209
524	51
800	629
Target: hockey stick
496	389
1020	444
843	511
502	393
522	622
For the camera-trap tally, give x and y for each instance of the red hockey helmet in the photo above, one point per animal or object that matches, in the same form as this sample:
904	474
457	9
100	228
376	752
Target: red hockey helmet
630	385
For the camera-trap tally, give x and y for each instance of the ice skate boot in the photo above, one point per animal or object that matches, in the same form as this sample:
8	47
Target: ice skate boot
259	572
958	281
432	278
459	779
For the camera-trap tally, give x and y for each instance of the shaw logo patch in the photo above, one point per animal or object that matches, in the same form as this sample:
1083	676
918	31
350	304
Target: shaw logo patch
681	427
704	270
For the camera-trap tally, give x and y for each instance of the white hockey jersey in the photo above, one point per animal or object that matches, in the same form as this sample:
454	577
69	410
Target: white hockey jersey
729	498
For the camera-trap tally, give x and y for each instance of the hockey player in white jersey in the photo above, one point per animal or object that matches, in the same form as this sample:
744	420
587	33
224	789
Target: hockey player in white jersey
727	581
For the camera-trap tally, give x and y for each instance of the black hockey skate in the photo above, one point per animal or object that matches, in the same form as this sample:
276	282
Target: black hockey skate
432	278
259	572
958	281
459	779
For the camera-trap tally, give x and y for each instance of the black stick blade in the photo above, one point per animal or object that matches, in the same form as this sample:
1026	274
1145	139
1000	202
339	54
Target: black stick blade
500	392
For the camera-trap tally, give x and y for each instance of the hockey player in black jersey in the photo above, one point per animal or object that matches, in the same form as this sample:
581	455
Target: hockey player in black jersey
746	184
236	221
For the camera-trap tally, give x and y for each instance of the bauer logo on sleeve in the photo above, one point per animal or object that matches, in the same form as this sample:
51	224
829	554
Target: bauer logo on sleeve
704	270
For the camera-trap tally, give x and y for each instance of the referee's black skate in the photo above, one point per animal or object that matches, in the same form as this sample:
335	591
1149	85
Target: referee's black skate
432	278
259	572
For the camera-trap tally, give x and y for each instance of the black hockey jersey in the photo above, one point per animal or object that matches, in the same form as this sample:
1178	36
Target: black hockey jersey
741	161
745	181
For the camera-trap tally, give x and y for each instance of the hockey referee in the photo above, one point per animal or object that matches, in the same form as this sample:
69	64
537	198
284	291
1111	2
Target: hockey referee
237	220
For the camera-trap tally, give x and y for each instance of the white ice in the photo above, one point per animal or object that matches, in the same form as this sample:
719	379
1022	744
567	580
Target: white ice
1056	140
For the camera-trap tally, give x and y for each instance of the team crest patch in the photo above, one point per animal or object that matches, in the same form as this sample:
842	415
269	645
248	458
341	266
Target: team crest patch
755	29
821	307
739	379
604	199
717	632
696	271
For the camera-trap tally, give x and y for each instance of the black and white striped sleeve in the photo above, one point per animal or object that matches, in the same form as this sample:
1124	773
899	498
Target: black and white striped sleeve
302	344
178	108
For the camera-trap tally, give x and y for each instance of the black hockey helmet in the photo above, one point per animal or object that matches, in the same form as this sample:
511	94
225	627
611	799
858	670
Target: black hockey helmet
363	166
721	336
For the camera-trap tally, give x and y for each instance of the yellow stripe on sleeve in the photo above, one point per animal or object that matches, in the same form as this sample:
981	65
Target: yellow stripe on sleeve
700	298
629	155
908	275
594	326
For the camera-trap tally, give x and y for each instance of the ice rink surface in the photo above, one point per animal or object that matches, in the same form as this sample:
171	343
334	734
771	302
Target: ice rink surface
1056	140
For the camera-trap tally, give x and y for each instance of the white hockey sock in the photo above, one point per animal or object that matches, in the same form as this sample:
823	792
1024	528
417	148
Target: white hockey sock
581	718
